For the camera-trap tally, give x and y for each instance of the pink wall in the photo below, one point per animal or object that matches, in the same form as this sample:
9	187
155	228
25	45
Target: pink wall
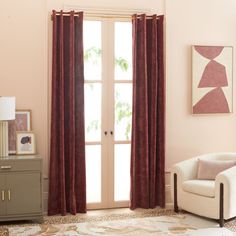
154	5
25	56
190	22
23	62
25	69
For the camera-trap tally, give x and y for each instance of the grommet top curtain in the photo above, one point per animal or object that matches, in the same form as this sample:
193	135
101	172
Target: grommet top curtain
148	119
67	181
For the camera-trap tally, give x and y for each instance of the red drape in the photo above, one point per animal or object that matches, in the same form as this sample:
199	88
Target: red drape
148	120
67	182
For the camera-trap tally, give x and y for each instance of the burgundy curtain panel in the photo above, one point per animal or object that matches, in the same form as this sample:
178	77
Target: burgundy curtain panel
67	182
148	120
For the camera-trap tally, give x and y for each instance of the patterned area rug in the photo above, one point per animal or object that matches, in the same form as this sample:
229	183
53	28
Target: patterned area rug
145	222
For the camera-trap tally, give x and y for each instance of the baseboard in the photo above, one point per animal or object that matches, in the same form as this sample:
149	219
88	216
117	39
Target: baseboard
169	206
45	203
169	203
168	195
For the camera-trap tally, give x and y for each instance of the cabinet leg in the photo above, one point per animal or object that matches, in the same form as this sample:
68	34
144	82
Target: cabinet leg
39	220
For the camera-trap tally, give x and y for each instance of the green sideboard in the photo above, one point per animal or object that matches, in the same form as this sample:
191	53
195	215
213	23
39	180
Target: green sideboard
21	188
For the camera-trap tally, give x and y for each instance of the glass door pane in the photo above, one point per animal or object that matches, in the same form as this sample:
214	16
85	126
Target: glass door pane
122	172
123	51
93	105
92	50
123	111
93	173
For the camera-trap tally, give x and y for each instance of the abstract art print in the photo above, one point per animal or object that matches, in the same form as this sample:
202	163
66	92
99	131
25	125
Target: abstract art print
22	122
212	79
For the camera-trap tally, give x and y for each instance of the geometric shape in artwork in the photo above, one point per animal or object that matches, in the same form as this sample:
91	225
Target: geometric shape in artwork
209	52
214	75
213	102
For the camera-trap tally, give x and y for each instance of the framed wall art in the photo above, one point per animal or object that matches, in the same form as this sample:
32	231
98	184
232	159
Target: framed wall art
212	79
25	142
22	122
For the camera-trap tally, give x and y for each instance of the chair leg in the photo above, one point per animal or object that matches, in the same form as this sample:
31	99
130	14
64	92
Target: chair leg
221	220
175	193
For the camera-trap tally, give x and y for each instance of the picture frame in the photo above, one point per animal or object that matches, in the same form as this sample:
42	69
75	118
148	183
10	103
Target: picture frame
25	142
212	79
22	122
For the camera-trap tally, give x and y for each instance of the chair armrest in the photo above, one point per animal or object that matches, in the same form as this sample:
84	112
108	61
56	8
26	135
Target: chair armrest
185	170
227	178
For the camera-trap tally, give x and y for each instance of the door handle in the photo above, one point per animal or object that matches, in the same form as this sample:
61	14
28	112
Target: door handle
5	167
3	195
9	195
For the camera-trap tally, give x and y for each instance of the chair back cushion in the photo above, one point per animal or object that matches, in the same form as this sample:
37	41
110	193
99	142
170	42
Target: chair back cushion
208	169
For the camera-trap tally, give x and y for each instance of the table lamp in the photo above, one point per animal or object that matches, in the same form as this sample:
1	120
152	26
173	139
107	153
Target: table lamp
7	112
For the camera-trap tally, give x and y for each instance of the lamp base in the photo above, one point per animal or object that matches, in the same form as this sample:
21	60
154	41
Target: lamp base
3	138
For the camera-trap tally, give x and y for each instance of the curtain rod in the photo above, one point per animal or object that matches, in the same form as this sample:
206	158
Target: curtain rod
105	15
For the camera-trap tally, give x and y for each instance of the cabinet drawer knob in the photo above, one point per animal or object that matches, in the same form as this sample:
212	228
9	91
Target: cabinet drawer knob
5	167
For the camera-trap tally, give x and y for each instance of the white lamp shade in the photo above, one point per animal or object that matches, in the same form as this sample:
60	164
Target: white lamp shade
7	108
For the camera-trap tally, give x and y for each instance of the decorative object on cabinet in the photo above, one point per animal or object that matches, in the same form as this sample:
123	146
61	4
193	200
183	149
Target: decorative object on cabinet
21	188
22	122
25	142
212	69
7	112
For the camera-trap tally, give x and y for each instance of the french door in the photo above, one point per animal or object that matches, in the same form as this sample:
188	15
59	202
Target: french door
108	111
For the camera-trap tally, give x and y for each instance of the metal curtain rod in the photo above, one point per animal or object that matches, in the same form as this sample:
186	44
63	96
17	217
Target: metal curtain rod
105	15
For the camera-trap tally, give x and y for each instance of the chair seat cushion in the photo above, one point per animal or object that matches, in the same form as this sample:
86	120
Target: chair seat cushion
201	187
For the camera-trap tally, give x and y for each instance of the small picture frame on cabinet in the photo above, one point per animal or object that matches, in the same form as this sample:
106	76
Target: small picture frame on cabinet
25	143
22	122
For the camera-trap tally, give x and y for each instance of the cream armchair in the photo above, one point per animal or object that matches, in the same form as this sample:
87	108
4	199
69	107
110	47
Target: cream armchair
214	199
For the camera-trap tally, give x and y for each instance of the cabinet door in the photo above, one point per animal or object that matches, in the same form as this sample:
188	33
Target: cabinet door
23	193
2	195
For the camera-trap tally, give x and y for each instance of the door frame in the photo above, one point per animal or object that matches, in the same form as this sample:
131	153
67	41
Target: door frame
107	140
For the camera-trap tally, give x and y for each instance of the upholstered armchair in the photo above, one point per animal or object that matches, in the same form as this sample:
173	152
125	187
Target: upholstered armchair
212	198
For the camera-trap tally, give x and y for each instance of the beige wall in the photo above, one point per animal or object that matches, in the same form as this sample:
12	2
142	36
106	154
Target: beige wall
25	67
153	5
189	22
25	29
23	61
25	56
